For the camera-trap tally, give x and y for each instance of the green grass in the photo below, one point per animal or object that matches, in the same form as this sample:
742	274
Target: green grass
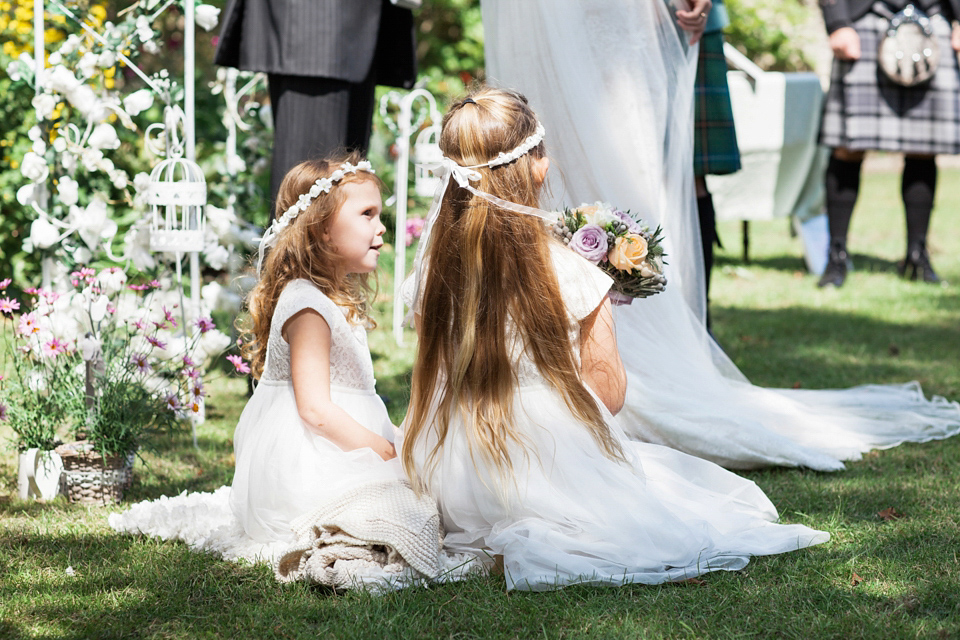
776	325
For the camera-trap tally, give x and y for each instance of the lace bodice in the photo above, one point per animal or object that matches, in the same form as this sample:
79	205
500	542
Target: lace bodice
582	286
350	363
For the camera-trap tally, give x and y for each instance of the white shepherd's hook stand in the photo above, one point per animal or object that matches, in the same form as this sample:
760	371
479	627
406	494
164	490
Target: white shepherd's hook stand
404	127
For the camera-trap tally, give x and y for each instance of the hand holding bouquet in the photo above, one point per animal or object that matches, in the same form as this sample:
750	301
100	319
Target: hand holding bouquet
617	242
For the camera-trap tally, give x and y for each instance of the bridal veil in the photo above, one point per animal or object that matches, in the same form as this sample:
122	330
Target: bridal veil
613	84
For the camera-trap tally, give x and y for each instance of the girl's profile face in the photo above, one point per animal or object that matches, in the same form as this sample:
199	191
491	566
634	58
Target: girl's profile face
356	231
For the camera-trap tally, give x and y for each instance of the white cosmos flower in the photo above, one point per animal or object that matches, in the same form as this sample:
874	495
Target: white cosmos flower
69	191
98	308
111	280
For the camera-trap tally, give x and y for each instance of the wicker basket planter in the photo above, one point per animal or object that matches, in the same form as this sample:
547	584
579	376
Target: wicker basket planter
91	478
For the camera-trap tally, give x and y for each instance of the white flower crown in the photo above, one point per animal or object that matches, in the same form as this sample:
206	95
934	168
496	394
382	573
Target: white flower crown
506	157
322	185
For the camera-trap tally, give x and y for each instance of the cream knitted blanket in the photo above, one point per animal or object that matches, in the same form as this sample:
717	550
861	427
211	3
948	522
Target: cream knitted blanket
377	532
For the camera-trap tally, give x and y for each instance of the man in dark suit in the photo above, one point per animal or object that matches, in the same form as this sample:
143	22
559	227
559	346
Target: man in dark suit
323	59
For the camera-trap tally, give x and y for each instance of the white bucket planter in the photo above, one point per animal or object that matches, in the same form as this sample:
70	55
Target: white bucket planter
39	474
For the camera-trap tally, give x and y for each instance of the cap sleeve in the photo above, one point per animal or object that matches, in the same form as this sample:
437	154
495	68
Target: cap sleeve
303	294
582	284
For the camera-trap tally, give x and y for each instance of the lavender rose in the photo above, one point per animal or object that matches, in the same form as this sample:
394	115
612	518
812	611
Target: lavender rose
590	241
632	226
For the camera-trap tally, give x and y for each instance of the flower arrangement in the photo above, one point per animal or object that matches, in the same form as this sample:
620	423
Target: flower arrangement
107	360
618	242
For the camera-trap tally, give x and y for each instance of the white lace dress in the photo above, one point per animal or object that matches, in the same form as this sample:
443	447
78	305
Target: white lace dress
571	515
283	469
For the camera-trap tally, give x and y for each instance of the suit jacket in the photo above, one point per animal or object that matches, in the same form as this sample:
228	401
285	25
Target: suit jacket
339	39
843	13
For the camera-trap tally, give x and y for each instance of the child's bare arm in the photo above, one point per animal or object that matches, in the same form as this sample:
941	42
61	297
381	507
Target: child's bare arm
601	366
308	335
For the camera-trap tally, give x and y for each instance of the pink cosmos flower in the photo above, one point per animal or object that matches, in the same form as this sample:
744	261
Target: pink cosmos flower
159	344
53	348
3	412
414	229
155	284
8	306
5	283
239	364
173	402
28	324
169	316
193	374
195	407
138	287
205	324
188	362
140	362
196	391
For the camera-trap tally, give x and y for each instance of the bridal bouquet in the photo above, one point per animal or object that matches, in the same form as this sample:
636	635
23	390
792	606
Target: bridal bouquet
619	243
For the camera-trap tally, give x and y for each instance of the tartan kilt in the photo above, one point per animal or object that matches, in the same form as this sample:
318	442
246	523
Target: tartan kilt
715	149
865	111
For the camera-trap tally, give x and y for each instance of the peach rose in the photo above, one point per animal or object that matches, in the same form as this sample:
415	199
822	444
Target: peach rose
628	252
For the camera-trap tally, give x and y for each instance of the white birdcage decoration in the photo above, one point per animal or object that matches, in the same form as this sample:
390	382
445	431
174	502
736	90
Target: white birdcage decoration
176	195
426	151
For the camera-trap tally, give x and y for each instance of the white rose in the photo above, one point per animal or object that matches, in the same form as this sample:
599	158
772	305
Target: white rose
81	255
216	256
44	104
68	189
119	179
219	220
68	159
141	181
34	168
70	44
104	136
84	99
55	58
151	47
43	234
235	165
144	31
62	80
206	16
26	194
209	293
91	159
211	344
39	147
138	101
107	59
13	70
88	64
60	144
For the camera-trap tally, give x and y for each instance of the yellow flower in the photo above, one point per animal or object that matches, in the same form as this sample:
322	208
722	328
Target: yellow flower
24	13
628	252
109	73
10	49
98	12
110	83
52	35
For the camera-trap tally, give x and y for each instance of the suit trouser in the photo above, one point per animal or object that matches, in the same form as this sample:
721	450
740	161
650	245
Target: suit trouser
314	117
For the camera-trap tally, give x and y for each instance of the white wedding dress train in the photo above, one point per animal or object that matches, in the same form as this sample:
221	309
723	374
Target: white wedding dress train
612	83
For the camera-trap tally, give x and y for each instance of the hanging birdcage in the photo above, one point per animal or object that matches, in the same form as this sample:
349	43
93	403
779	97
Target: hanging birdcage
426	151
176	195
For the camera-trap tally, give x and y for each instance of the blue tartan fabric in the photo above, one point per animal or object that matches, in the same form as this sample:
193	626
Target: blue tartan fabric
865	111
715	149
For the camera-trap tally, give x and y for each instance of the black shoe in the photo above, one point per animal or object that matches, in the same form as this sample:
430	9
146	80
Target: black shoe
836	271
916	266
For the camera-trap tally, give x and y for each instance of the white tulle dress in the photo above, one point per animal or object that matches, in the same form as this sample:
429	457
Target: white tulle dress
572	515
613	83
283	469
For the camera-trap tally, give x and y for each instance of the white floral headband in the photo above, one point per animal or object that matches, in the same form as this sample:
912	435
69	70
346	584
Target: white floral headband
322	185
463	176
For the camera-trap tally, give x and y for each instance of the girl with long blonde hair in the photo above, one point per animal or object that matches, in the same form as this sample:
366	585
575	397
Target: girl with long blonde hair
516	382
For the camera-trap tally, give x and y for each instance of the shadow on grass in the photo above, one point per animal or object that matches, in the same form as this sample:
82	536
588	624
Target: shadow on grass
789	263
786	347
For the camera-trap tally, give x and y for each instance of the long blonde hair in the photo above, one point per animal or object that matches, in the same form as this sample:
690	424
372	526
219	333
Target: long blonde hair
301	251
489	267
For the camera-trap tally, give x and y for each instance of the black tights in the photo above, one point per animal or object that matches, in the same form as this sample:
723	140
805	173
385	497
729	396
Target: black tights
919	183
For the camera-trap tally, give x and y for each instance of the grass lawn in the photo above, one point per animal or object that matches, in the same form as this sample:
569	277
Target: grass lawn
877	578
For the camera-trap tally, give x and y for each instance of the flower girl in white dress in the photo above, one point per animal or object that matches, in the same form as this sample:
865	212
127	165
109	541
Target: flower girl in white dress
516	381
315	427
